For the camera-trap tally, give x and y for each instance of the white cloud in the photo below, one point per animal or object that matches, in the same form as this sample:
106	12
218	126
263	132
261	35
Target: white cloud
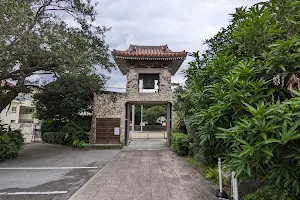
183	25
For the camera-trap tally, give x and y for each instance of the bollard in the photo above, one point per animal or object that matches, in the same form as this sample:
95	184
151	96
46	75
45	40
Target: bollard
221	194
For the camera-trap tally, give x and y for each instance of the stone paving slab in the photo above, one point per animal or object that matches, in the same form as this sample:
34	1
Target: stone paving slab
147	175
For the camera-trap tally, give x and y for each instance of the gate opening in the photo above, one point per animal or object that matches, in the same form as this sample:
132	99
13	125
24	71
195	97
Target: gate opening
148	121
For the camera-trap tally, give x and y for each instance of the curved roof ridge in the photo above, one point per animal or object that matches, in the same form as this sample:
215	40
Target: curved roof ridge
161	51
148	46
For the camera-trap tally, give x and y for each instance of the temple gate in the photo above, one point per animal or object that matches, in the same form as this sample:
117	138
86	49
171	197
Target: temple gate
148	70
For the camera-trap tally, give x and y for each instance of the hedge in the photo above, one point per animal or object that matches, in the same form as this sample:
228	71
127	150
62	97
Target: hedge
54	138
68	138
180	143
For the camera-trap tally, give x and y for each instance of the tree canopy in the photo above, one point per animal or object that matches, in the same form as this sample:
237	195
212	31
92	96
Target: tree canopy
239	101
35	39
67	97
154	112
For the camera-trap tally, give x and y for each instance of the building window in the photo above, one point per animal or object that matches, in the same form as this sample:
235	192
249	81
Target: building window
12	121
26	110
13	109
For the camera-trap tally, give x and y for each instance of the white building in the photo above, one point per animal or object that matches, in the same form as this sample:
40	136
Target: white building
19	115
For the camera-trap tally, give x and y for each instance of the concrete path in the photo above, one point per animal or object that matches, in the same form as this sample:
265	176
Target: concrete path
153	144
137	174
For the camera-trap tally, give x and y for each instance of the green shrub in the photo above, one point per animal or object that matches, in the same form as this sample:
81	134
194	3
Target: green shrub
75	134
11	143
84	121
50	137
266	145
16	137
238	96
52	126
8	149
56	125
71	134
270	193
212	173
180	143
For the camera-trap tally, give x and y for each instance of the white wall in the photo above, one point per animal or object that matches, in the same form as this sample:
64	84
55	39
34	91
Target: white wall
7	114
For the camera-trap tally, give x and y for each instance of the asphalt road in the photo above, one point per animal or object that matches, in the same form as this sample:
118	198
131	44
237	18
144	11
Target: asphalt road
48	172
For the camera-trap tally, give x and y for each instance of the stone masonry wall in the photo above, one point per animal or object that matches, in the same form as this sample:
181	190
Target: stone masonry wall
164	94
165	81
132	86
109	105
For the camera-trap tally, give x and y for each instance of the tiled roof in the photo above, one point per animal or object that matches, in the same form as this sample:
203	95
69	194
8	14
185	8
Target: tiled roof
149	52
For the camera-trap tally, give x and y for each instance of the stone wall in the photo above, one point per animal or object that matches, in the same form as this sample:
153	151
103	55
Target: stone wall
132	86
165	81
109	105
164	94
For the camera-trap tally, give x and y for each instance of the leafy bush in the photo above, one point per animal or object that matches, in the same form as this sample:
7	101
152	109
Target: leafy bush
16	137
52	126
212	173
266	144
53	137
270	193
180	143
8	149
11	143
238	98
75	134
71	134
57	125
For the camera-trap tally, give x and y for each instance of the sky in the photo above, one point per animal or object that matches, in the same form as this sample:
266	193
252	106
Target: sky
181	24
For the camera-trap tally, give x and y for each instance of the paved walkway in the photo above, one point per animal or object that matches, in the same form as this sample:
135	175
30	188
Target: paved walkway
153	144
136	174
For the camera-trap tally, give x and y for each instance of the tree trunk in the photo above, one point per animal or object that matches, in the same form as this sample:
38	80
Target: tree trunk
6	98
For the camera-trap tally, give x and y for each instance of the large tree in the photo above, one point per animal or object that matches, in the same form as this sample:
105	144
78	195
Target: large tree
154	112
36	39
67	97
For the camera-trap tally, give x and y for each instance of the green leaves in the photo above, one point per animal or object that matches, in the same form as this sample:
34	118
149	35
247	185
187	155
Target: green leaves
67	96
264	138
42	42
153	113
237	96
